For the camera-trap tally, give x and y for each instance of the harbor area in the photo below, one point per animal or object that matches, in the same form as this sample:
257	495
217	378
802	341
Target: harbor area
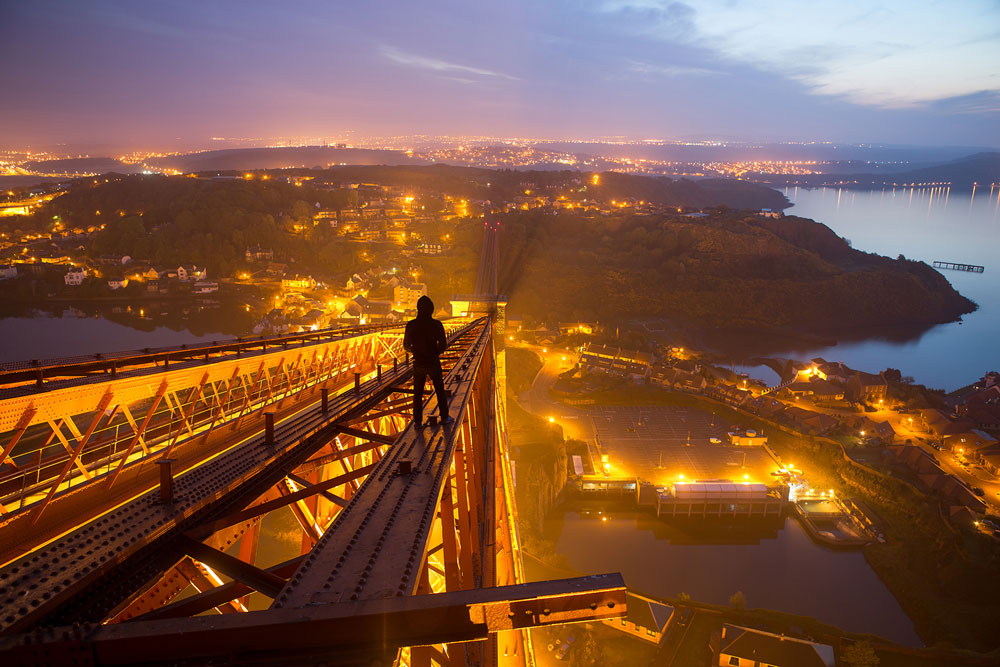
832	522
684	463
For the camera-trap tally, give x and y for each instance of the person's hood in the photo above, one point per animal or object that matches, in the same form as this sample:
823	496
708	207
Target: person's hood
425	307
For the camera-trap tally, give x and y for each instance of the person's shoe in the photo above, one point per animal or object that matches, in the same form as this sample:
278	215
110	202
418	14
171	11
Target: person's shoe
447	419
418	423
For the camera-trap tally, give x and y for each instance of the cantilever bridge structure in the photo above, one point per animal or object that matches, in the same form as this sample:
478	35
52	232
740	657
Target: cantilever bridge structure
133	487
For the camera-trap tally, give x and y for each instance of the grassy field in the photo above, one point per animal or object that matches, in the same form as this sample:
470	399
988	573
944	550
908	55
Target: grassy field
522	367
694	650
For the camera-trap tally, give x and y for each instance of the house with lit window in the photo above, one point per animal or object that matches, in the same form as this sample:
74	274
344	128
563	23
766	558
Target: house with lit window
298	282
867	387
355	282
616	361
190	272
746	647
405	296
258	254
75	276
647	619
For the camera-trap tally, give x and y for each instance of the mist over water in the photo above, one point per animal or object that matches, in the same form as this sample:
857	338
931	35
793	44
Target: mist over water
925	224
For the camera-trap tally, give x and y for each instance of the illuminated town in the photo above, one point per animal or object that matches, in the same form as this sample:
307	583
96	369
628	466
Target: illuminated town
706	298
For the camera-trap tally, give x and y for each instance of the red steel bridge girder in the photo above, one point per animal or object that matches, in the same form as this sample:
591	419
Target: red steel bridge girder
387	511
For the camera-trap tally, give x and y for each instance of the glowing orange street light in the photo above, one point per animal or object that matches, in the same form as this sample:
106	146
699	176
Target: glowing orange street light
552	420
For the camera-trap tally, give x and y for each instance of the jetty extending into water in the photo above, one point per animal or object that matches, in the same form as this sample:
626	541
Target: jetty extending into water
971	268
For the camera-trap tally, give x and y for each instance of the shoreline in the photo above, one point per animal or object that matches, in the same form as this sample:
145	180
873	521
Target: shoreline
913	606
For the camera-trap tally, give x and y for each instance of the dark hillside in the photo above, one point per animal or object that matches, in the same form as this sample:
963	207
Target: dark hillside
733	270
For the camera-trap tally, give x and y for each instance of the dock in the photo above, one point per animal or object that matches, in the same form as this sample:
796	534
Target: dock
971	268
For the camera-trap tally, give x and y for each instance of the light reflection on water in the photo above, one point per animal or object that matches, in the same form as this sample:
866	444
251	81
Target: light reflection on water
774	563
57	330
925	224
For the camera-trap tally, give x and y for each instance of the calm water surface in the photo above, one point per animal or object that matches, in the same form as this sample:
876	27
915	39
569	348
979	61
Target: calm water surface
922	224
775	565
62	331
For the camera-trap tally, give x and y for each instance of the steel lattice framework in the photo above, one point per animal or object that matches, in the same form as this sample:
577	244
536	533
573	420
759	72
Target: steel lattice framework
134	487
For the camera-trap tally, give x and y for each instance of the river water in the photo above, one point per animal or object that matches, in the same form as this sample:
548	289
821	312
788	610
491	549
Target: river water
776	566
923	224
62	330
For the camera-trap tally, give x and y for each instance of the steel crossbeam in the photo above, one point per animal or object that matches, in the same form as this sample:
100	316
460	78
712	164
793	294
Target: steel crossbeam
367	632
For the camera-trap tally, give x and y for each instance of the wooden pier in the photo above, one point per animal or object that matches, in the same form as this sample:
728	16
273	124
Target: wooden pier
971	268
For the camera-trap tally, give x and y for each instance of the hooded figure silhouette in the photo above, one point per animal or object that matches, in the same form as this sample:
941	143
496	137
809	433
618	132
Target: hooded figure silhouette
425	340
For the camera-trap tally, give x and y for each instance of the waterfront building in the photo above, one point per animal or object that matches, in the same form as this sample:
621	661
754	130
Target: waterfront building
205	287
606	486
720	498
190	272
74	277
616	361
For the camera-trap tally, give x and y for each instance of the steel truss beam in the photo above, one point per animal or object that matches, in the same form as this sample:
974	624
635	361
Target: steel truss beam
235	393
118	553
354	633
197	397
413	512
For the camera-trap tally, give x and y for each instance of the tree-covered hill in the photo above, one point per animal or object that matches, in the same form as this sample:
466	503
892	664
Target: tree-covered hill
175	220
731	270
81	165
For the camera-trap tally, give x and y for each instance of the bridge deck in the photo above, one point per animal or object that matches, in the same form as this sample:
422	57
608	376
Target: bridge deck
376	545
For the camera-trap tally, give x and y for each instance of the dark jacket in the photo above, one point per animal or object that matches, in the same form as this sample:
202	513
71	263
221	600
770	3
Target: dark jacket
424	337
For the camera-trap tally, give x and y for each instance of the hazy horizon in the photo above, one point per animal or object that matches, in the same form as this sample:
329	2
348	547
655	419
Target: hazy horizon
161	76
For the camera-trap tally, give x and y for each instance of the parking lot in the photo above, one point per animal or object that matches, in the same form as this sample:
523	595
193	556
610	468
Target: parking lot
661	444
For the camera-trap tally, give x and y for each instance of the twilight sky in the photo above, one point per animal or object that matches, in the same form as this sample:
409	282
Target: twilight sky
157	73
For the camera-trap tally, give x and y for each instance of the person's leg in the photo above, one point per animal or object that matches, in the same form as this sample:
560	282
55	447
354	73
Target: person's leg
437	378
419	379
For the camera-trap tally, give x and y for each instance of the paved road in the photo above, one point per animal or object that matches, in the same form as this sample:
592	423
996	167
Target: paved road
576	423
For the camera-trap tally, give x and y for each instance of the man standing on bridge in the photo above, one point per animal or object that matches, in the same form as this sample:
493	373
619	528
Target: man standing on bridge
425	340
